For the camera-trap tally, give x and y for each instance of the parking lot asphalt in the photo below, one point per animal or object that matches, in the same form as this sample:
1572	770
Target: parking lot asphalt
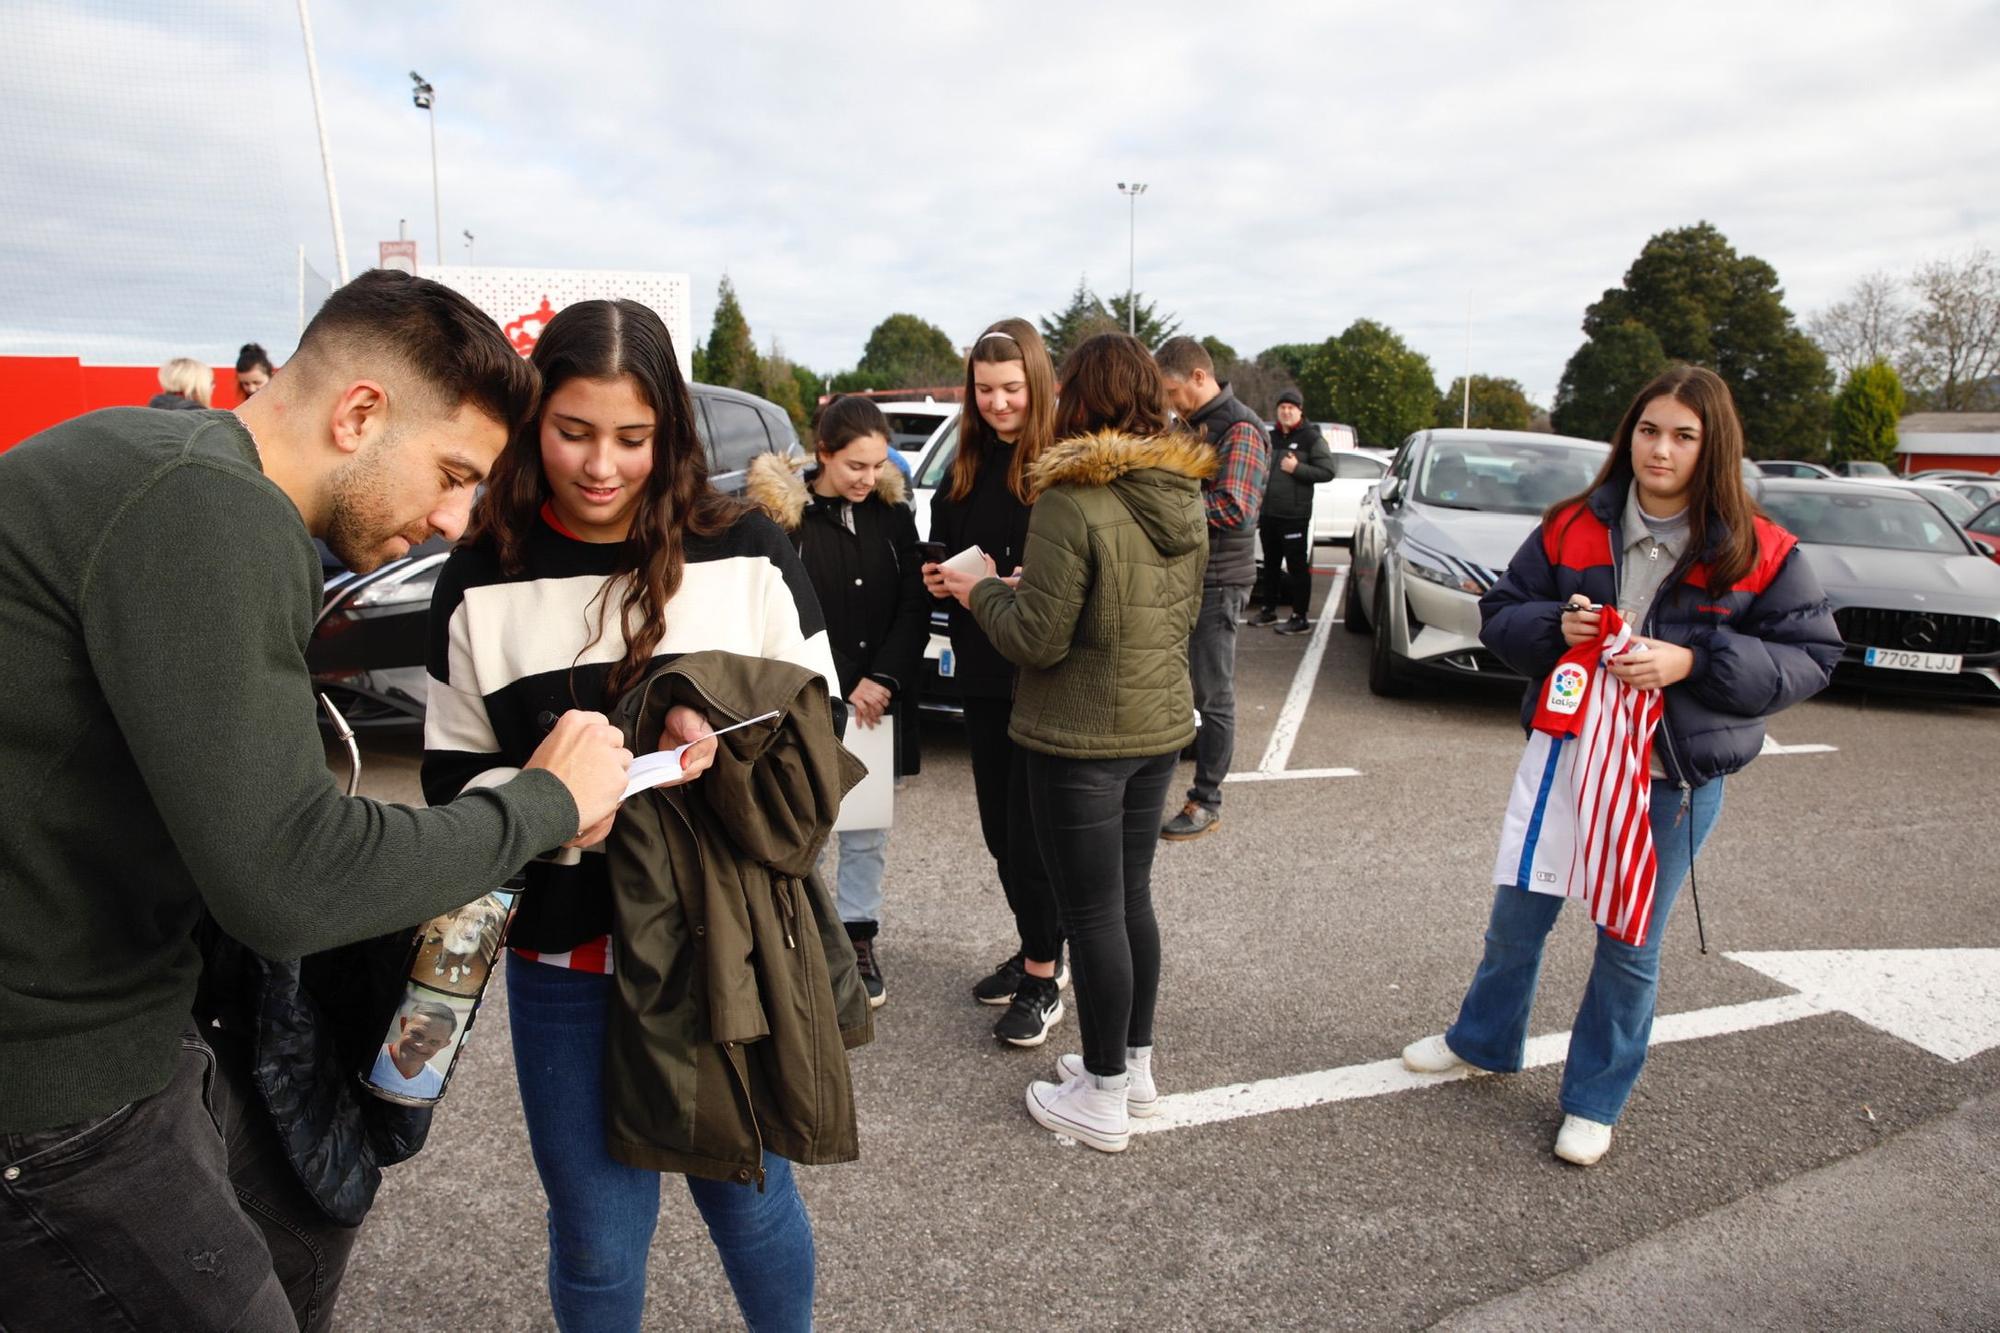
1798	1151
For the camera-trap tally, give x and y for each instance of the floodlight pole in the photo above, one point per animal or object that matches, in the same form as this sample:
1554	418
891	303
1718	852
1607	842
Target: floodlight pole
425	98
1132	192
325	150
1465	417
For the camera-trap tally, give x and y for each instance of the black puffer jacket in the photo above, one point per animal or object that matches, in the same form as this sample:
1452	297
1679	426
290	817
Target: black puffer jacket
310	1025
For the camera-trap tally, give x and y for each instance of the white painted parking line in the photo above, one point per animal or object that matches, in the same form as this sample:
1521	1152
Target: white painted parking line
1946	1001
1292	774
1771	746
1285	732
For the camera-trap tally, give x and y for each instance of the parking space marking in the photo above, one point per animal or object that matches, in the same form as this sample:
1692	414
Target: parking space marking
1944	1001
1285	732
1771	746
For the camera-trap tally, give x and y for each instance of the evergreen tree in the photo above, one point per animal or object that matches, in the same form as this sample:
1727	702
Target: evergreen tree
730	355
1600	379
1702	303
1083	317
1865	413
1152	328
1218	351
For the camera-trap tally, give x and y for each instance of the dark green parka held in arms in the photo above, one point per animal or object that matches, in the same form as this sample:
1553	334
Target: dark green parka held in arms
1110	588
737	996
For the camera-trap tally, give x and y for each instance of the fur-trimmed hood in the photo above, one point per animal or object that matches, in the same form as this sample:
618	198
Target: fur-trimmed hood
1151	475
777	485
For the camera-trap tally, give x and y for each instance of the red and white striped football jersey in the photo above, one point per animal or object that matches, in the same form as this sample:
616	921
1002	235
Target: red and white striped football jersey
1579	821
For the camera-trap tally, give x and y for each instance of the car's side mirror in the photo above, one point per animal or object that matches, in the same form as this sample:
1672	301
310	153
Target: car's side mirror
1387	491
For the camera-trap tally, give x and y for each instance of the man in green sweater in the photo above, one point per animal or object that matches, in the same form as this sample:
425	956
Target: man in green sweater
159	756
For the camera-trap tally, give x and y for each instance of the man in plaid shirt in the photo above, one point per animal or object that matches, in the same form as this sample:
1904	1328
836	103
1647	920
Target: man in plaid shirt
1232	498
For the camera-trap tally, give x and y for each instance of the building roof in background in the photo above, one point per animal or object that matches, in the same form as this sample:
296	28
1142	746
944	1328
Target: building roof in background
1950	434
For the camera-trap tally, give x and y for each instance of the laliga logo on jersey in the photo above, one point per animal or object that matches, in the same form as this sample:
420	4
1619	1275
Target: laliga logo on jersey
1566	688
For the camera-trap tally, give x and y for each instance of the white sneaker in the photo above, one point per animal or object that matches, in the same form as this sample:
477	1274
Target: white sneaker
1142	1098
1432	1056
1582	1141
1082	1111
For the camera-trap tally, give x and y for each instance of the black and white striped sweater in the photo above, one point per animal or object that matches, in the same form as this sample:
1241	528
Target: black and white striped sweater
508	653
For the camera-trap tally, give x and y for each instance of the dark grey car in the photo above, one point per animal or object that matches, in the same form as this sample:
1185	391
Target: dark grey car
1918	603
368	646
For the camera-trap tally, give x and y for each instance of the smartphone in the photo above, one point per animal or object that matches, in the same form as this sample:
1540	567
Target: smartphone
932	553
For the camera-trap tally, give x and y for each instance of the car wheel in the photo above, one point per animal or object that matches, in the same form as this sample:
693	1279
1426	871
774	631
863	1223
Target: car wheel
1385	678
1350	607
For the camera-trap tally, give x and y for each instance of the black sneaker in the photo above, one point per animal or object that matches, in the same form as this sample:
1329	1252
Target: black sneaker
999	985
1265	616
870	968
1037	1007
1296	625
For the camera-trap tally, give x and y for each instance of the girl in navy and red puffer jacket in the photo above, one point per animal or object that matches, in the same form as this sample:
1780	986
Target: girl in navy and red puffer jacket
1730	623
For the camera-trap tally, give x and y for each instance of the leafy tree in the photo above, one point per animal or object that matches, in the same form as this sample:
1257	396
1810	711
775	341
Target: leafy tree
1289	357
776	382
1865	413
1599	381
1703	303
1152	328
730	355
1257	383
1372	380
811	385
909	353
860	381
1954	331
1218	351
1496	404
1084	317
700	364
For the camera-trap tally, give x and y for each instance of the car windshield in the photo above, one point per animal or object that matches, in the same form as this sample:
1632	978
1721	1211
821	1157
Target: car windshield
910	430
1503	478
1886	522
1956	507
938	462
1988	522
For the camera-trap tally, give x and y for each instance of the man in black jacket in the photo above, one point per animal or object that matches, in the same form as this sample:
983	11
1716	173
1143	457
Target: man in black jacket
1300	460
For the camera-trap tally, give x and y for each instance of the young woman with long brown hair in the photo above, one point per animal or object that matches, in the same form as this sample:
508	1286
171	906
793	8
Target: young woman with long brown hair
1099	624
1007	422
1731	625
598	551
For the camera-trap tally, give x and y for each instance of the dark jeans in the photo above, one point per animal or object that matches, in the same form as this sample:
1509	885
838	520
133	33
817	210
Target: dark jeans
1099	823
130	1221
1287	572
1000	785
309	1250
1212	669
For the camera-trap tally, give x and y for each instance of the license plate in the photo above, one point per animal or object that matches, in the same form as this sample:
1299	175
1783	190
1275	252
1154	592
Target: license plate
1901	659
948	663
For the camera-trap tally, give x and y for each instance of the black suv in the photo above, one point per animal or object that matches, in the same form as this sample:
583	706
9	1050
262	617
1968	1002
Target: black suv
367	649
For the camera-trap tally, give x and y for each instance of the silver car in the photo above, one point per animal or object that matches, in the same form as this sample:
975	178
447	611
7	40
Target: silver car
1438	532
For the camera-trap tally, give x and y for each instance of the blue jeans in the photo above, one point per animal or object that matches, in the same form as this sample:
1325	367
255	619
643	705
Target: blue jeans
1607	1044
602	1212
863	853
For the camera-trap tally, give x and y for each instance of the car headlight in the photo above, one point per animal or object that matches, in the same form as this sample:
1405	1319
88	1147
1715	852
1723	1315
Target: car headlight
405	588
1433	568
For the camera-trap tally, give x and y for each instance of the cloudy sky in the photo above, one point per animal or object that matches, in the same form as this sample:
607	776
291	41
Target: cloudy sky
1307	163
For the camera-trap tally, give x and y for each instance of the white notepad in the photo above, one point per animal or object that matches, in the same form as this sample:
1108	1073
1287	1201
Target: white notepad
662	768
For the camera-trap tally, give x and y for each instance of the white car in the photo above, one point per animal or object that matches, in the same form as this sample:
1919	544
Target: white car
915	425
1337	503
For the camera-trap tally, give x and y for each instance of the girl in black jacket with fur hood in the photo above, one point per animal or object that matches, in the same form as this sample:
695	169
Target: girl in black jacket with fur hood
849	518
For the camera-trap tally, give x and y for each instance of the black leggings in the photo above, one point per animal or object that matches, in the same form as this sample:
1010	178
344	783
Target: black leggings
1287	542
1099	824
1000	785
